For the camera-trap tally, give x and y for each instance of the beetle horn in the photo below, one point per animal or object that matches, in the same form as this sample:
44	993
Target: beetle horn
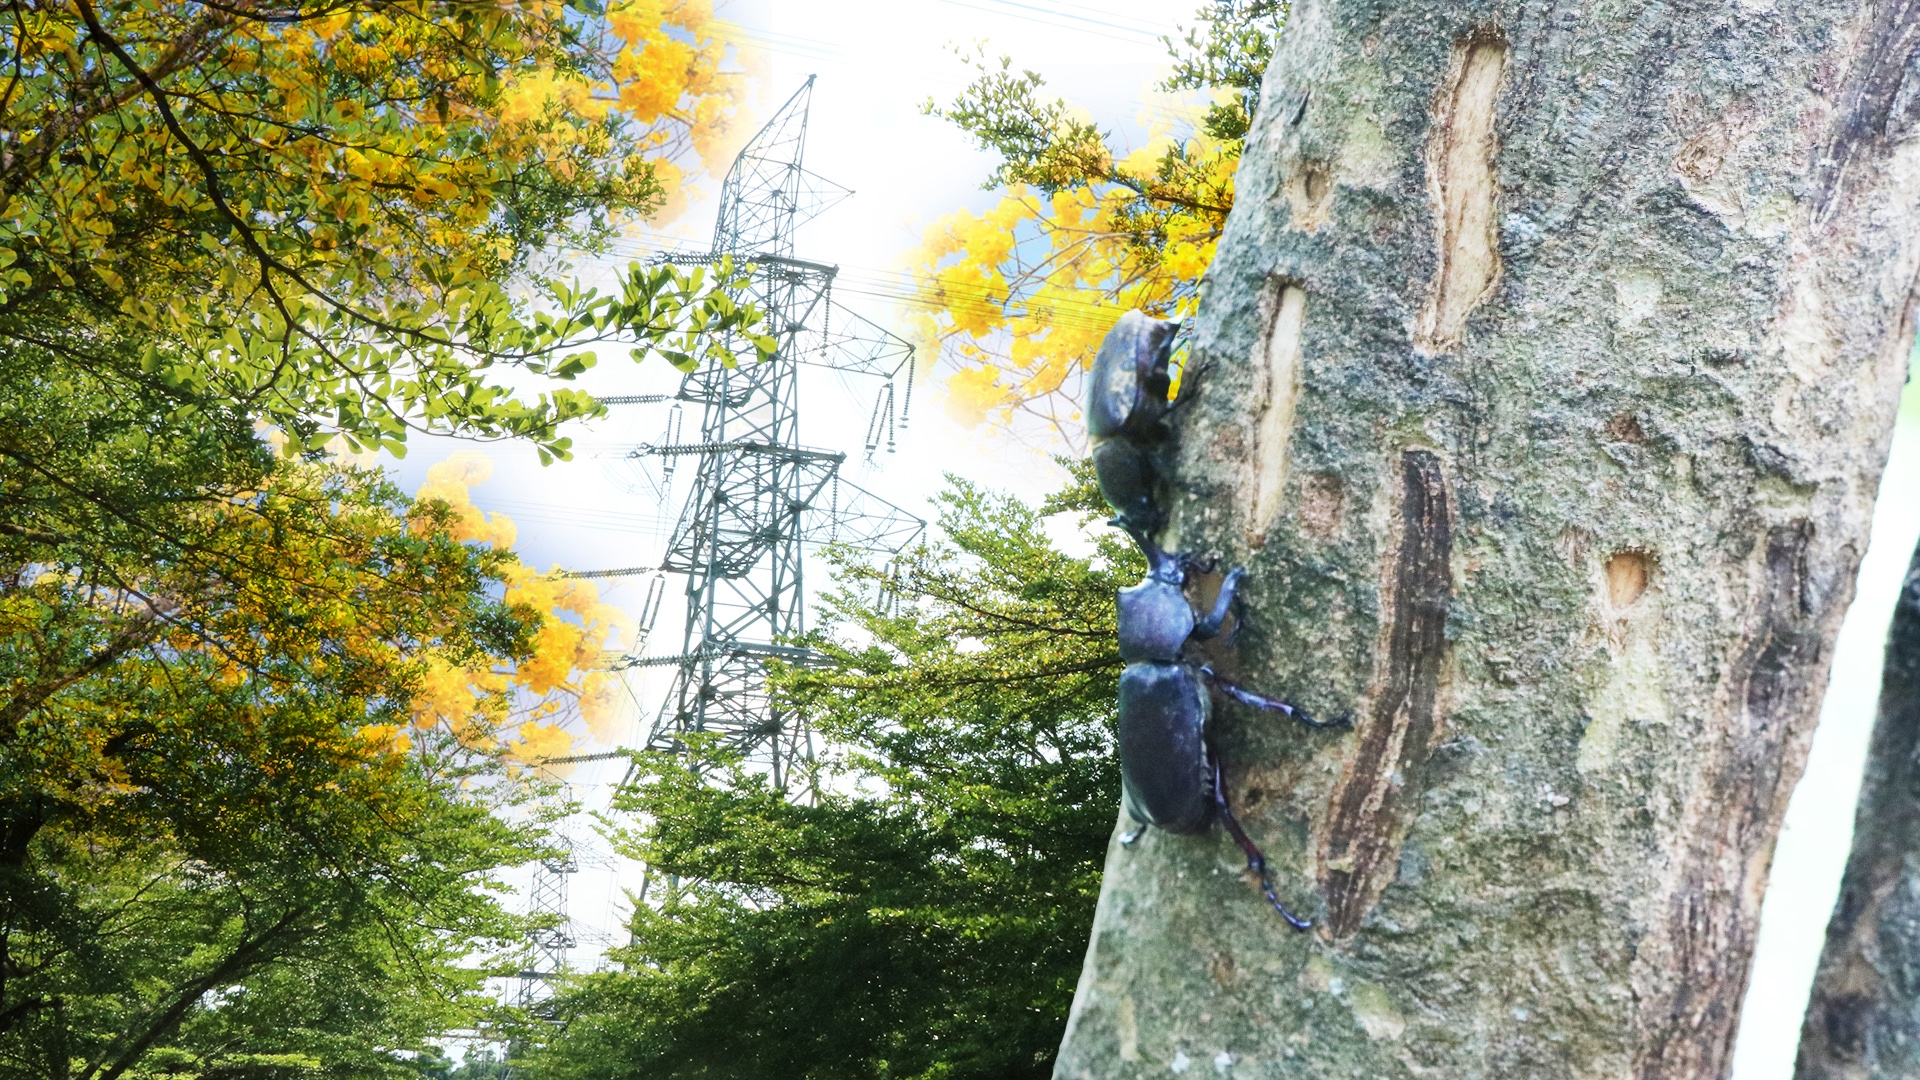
1156	558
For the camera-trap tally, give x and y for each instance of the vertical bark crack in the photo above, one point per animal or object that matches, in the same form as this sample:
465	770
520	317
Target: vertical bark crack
1875	102
1461	183
1379	791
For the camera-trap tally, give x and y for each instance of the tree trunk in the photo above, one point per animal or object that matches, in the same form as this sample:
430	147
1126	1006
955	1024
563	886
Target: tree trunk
1543	385
1864	1018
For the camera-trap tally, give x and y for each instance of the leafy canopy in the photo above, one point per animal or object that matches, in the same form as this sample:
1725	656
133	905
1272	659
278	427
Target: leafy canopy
256	716
314	210
924	914
217	783
1019	296
258	712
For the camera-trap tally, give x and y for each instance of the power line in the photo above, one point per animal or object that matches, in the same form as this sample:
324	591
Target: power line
1073	18
1062	20
1092	315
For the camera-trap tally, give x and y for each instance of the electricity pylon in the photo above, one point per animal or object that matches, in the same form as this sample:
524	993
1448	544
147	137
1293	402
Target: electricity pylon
760	497
553	936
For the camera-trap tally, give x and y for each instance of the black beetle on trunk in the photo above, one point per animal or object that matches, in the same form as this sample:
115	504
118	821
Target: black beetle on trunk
1171	775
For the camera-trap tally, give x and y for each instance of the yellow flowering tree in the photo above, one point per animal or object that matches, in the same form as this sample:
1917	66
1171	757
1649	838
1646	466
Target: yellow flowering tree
1016	298
524	705
334	213
250	767
256	708
216	786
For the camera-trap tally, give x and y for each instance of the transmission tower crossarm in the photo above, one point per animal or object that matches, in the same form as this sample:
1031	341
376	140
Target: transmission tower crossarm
575	759
763	260
632	399
791	654
784	453
807	266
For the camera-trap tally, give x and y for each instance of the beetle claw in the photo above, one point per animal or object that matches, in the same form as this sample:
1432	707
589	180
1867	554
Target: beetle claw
1344	720
1295	921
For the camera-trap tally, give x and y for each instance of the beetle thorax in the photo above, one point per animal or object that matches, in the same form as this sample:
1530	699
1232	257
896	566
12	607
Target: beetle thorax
1155	621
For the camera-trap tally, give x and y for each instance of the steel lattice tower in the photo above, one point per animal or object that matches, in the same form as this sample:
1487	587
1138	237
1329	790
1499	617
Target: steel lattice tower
759	496
547	901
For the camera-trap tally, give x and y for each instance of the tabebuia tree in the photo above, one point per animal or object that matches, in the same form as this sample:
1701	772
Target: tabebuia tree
259	754
337	215
1016	298
1542	381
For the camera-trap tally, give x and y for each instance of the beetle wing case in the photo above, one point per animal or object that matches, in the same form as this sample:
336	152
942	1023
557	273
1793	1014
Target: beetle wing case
1165	779
1125	475
1127	385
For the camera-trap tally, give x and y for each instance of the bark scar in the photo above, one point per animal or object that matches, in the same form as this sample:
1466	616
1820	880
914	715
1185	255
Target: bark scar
1462	185
1379	790
1281	363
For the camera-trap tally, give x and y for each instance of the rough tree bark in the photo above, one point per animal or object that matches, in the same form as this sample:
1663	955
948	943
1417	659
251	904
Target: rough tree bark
1543	383
1863	1022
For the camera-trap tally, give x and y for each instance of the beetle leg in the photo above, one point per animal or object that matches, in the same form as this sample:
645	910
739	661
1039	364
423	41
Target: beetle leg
1210	626
1256	860
1261	701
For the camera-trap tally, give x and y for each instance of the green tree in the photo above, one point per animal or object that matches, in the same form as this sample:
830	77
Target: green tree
482	1064
319	211
921	916
227	842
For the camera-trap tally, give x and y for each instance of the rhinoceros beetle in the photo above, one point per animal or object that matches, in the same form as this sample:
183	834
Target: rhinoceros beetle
1127	416
1171	774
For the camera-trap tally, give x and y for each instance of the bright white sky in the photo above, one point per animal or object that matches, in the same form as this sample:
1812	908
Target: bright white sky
877	60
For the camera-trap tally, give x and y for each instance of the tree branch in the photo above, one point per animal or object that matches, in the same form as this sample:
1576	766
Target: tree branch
248	955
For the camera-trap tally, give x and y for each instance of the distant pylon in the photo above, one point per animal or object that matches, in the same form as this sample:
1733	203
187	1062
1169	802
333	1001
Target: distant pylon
760	497
552	935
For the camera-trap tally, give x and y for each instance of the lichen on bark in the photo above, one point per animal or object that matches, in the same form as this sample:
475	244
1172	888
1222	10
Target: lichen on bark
1565	521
